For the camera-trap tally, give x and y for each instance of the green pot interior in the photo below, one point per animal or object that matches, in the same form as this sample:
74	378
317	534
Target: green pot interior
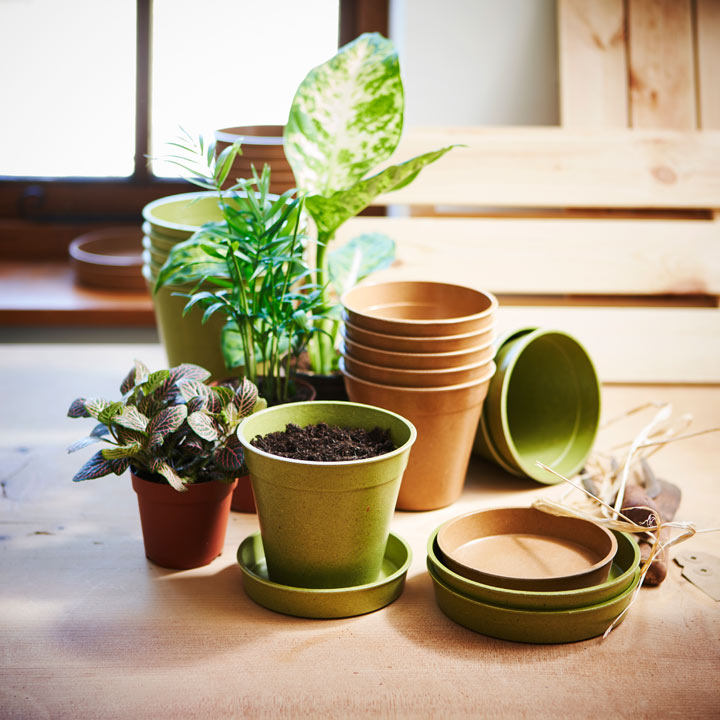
183	213
550	404
343	414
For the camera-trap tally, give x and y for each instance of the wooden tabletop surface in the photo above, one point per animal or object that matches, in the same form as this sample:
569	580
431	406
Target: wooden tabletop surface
90	629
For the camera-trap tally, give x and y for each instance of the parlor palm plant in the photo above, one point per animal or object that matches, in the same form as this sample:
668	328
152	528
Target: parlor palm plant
251	267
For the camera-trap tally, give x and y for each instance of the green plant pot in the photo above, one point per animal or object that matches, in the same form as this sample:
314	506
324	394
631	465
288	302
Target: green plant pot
325	524
543	405
187	339
179	216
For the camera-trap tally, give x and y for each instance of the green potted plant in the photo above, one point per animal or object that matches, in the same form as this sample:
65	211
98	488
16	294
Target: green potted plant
176	432
251	268
346	119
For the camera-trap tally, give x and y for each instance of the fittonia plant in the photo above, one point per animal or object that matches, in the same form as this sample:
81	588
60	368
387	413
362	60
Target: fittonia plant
346	119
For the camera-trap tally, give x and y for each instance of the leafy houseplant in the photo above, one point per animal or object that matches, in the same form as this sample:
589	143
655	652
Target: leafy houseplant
251	268
346	119
177	434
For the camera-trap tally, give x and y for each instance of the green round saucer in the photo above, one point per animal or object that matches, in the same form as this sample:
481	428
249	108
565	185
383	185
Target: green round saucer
323	602
622	574
532	626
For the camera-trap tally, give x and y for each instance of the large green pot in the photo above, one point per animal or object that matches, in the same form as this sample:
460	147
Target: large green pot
179	216
325	524
187	339
543	405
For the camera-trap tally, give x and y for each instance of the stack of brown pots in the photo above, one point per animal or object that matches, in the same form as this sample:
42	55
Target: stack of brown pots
425	351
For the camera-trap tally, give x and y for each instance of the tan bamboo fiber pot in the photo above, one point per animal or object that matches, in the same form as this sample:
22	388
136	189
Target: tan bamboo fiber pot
446	420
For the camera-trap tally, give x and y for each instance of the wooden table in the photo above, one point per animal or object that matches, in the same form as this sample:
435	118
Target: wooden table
89	628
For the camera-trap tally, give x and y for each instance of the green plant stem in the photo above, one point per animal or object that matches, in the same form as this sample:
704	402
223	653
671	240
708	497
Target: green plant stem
322	353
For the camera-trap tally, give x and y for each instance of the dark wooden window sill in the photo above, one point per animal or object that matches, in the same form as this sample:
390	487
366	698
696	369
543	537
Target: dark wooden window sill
45	294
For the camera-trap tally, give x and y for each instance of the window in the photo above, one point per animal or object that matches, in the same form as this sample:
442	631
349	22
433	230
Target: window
96	87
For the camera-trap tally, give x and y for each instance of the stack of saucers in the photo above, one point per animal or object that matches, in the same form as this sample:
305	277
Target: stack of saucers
423	350
524	575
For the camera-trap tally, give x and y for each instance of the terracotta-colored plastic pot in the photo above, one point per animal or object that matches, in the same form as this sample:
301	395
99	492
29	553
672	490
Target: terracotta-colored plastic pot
243	499
419	361
183	530
413	308
446	419
416	378
325	524
420	344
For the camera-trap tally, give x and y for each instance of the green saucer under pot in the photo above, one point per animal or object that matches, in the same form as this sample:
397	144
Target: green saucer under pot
543	405
622	575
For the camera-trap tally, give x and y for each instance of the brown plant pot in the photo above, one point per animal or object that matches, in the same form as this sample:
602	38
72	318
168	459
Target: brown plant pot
183	530
243	499
446	421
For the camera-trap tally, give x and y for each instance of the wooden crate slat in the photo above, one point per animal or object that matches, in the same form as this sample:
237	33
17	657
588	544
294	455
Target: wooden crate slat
592	63
645	345
563	167
708	62
516	255
661	58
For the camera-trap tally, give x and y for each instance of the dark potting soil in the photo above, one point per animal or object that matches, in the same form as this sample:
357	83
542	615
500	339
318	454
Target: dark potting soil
325	443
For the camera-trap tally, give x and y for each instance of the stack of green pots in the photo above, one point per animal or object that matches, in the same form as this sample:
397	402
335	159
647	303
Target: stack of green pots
167	222
543	405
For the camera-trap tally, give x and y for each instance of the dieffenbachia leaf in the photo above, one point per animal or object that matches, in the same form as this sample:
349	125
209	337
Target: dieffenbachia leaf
121	451
332	211
346	116
354	261
167	421
171	476
77	408
135	377
95	467
203	425
132	419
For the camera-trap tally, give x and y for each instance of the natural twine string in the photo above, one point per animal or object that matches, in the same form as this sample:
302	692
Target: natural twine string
654	436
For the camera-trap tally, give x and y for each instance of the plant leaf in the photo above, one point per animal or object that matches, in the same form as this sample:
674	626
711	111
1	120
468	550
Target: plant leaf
154	381
135	377
346	116
94	406
362	256
95	467
230	457
193	388
83	443
332	211
77	408
167	421
122	451
132	419
171	476
202	425
246	397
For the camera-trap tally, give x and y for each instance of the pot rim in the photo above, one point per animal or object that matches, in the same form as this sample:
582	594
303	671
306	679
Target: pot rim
404	448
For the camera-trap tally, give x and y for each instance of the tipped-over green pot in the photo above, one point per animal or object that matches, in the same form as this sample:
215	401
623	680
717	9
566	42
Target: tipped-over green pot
325	524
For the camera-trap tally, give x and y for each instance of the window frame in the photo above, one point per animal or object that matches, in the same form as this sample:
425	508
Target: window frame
35	208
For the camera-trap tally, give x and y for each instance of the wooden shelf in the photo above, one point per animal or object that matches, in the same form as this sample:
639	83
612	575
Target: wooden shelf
46	294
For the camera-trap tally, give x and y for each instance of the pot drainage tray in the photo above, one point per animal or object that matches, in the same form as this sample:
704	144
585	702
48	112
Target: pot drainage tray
323	602
532	626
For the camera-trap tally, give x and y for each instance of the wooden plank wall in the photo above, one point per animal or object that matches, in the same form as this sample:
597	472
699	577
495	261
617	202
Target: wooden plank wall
606	227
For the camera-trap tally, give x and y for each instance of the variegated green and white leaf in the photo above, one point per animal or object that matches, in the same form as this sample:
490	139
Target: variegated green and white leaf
94	406
171	476
346	116
132	419
332	211
354	261
246	397
203	426
193	388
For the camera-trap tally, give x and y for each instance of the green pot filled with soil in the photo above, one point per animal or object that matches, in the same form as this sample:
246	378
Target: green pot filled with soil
325	506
